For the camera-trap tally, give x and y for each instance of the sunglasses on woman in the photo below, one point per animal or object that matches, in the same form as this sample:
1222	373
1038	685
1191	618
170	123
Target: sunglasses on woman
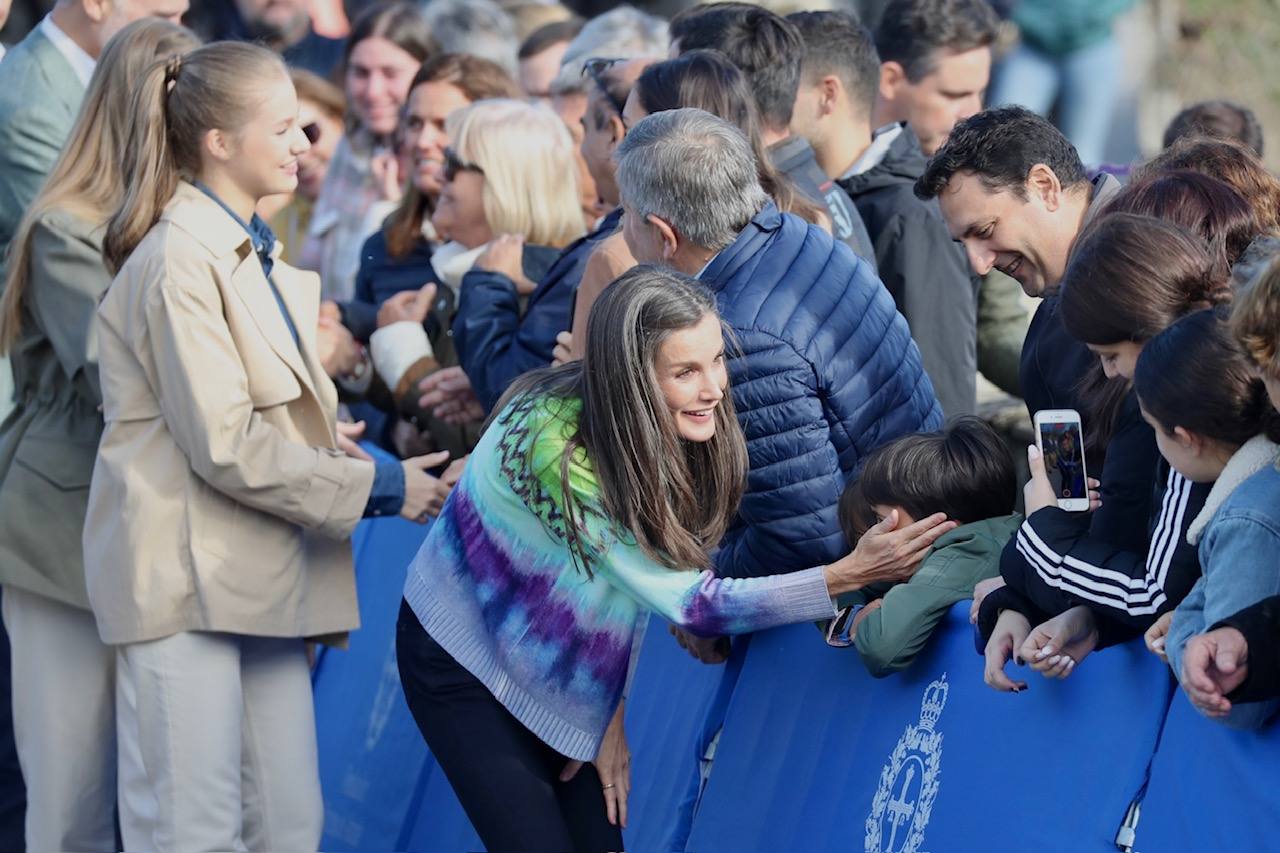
595	68
453	164
311	131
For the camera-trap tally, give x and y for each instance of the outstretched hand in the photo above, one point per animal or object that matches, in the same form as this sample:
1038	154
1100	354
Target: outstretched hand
447	394
886	553
1010	632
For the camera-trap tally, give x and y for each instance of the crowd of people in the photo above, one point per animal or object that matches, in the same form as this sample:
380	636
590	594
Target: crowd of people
634	315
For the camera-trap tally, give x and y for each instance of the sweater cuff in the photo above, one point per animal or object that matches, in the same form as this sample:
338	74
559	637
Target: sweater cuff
396	347
805	595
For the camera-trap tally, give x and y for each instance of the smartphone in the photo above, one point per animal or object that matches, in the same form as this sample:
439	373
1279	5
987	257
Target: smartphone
1061	443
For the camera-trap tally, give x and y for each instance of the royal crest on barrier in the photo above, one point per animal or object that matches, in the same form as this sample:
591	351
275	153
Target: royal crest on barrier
909	781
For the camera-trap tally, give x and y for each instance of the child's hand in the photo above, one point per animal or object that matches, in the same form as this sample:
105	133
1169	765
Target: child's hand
1010	631
866	611
1156	634
980	591
1213	665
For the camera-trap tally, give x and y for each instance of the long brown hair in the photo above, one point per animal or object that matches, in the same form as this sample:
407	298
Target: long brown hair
85	180
1231	163
1129	278
478	79
174	104
1255	320
706	79
1197	202
675	497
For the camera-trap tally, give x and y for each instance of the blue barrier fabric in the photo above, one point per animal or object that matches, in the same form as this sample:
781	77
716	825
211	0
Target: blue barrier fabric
371	754
669	705
1212	788
817	755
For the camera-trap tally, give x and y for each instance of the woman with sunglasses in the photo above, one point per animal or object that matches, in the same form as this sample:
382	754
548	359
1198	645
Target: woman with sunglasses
398	256
504	205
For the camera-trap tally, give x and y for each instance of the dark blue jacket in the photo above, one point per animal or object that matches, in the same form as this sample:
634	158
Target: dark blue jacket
495	343
827	372
380	277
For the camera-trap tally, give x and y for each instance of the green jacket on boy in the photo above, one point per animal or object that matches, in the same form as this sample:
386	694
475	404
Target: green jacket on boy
890	636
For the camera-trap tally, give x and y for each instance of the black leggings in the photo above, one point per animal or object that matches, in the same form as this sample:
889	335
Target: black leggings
507	780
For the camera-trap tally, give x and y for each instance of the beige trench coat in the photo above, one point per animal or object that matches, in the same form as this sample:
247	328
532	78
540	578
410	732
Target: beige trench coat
218	501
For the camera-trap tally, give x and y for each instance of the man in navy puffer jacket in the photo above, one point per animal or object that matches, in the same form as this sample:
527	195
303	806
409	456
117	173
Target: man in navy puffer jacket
827	369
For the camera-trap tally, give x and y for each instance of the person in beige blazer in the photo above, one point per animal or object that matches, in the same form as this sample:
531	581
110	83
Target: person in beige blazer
63	674
221	503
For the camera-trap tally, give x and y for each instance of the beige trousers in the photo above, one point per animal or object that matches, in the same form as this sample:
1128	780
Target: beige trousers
63	722
226	745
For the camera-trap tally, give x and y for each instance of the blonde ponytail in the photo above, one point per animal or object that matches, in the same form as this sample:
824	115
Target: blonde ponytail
177	101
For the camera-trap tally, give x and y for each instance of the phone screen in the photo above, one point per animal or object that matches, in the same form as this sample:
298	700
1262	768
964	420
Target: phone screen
1063	449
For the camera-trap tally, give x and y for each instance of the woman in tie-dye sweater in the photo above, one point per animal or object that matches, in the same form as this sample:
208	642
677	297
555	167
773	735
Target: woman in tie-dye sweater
592	498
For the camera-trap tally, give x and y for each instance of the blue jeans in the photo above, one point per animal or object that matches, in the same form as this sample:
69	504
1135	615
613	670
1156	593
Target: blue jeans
1083	84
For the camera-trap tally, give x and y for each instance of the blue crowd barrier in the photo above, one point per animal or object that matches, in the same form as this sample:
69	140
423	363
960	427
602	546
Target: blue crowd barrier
817	755
814	754
667	712
371	753
1212	787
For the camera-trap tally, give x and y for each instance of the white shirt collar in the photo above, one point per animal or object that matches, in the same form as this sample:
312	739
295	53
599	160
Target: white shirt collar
81	62
881	141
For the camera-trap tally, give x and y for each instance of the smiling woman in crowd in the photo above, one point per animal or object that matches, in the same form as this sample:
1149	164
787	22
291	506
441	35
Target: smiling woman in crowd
386	47
215	536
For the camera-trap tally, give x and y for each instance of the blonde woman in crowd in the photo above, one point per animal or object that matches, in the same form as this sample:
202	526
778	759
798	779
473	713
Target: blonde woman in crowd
215	538
386	47
63	674
507	207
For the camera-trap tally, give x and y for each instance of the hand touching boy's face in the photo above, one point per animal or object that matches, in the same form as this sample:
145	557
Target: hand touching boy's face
882	512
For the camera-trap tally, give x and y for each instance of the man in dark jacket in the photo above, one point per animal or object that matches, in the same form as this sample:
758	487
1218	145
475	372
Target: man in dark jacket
495	340
1014	192
826	369
923	269
768	50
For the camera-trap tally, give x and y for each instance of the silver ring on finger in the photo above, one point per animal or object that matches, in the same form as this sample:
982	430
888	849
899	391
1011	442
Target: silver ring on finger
610	785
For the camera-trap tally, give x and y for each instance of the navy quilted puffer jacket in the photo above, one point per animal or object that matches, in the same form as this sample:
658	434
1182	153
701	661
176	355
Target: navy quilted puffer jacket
827	372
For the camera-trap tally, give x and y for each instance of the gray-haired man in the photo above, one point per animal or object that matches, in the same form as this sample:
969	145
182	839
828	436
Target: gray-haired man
827	369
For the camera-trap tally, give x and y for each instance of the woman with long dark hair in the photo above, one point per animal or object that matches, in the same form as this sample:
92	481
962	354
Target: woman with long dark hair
1215	425
387	45
595	496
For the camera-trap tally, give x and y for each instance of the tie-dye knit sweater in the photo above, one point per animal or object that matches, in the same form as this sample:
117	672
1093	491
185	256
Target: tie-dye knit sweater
495	585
